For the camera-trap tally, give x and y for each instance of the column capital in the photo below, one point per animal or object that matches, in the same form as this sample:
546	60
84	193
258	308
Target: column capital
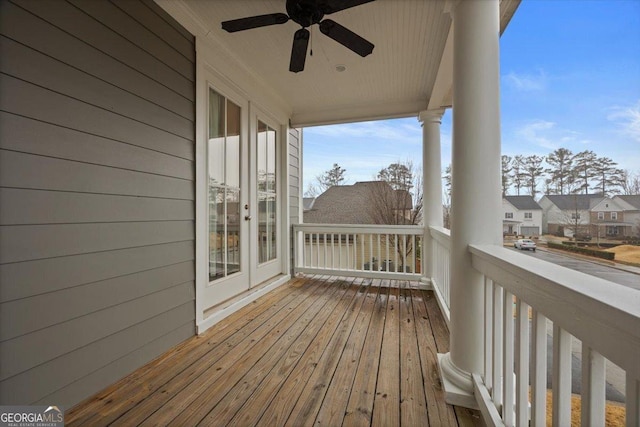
432	116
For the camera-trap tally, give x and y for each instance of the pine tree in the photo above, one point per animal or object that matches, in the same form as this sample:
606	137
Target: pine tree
609	179
506	173
532	170
583	170
517	175
334	176
560	172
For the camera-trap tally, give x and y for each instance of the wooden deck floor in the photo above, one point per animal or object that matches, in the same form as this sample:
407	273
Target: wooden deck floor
323	351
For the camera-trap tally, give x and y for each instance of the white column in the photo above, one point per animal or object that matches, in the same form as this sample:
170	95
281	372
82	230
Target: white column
476	193
431	184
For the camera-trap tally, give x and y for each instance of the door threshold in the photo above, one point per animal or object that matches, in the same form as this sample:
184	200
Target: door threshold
218	312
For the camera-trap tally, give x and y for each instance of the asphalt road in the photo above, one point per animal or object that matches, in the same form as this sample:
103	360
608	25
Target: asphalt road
615	377
595	269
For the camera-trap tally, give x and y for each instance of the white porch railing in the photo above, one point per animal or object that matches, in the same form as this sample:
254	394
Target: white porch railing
523	297
440	251
526	300
376	251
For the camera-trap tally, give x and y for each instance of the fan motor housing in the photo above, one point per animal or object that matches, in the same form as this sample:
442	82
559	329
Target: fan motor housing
305	12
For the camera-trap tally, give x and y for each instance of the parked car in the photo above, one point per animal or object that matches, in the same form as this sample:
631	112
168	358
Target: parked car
523	244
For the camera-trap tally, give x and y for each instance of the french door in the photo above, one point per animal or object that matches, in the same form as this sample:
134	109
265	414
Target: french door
243	196
265	180
228	199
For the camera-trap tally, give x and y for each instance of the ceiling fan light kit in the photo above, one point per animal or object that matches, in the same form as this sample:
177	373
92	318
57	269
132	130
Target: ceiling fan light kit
307	13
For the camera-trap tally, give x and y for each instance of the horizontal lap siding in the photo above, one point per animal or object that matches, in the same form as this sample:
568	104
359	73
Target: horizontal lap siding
295	179
97	194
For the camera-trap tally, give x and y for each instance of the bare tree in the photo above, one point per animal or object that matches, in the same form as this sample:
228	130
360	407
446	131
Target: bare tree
573	219
446	198
630	183
329	178
396	199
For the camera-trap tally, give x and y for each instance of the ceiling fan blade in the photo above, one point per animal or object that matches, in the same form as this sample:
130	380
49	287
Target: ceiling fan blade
346	37
254	22
299	50
333	6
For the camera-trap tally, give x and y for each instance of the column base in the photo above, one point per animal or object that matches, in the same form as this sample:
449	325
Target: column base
457	384
426	283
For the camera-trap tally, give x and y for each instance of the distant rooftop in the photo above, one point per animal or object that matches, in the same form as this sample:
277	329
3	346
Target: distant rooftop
348	204
523	202
575	201
632	200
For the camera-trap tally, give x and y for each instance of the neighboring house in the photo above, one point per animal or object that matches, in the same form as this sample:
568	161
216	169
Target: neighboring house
567	214
354	204
630	205
521	216
608	218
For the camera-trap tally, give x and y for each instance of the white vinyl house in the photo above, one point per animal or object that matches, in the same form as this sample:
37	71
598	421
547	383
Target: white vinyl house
521	215
150	186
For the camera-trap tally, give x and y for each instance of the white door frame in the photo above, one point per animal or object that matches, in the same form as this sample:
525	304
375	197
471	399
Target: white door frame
260	273
207	295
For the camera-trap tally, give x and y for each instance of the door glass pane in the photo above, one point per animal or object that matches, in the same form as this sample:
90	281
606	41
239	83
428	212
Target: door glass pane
262	156
233	145
266	175
271	160
216	232
223	165
216	137
233	231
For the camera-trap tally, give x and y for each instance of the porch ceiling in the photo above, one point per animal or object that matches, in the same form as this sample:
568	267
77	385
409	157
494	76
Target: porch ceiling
407	68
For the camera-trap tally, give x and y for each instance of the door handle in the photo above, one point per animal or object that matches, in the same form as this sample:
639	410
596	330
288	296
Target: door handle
247	217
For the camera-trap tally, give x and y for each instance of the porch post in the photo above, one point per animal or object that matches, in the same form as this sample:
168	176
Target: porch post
431	185
476	196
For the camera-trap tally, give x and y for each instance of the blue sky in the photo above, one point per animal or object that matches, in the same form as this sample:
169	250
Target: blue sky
570	77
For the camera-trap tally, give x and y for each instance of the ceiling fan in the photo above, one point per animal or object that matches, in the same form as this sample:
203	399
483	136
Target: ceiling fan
307	13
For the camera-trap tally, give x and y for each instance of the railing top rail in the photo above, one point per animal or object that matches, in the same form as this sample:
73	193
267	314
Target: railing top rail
441	234
603	314
360	228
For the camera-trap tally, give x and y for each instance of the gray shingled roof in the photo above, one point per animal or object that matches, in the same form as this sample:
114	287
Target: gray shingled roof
575	201
632	200
523	203
346	204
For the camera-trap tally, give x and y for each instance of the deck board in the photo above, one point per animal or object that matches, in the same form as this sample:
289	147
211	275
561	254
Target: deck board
317	351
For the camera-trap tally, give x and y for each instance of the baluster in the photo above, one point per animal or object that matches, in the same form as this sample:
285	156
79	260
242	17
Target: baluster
539	380
507	376
497	346
310	249
488	333
379	253
522	364
362	237
339	251
326	259
415	242
561	377
593	387
387	252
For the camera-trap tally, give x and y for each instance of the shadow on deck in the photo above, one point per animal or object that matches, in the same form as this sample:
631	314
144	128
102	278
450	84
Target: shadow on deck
318	350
